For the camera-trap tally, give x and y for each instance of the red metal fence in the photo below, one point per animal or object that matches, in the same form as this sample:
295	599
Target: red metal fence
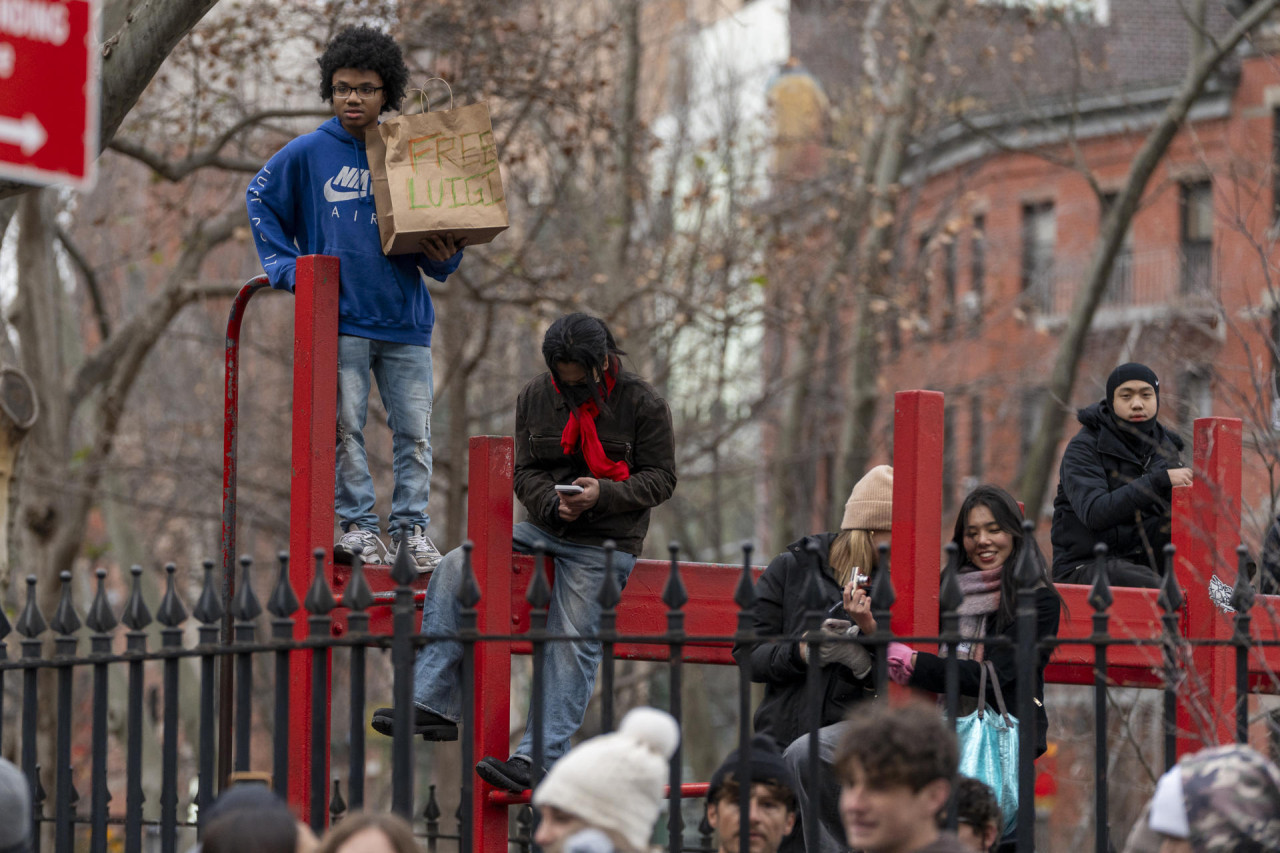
1206	533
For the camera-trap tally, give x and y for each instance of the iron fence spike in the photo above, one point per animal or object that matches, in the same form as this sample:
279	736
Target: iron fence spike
283	601
171	613
208	609
100	619
65	620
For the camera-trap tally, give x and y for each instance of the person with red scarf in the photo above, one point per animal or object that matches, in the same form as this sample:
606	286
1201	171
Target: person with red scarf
586	422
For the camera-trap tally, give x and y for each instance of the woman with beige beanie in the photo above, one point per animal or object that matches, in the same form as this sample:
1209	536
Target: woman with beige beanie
841	564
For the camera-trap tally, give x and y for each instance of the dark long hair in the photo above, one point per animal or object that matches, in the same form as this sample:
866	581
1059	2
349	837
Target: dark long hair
584	340
1005	510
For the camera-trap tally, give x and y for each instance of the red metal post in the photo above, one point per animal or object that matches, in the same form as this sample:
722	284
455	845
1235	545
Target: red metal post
489	507
917	511
315	399
230	439
1206	531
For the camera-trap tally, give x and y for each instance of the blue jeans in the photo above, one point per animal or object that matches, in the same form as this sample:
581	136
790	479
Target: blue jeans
404	379
570	668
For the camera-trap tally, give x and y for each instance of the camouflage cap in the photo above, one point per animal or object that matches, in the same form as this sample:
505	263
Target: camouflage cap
1232	797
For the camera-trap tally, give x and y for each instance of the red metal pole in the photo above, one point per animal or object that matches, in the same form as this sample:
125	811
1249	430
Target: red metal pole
230	435
916	552
489	507
1206	530
315	399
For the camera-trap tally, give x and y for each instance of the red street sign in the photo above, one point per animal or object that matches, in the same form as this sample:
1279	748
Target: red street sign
48	91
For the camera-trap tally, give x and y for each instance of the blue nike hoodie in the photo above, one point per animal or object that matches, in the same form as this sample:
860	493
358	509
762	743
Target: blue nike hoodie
314	198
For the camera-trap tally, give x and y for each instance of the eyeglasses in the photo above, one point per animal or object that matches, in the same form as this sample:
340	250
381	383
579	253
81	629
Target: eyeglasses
342	90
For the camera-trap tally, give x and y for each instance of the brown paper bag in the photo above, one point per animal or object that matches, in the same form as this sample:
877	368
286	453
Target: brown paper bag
436	173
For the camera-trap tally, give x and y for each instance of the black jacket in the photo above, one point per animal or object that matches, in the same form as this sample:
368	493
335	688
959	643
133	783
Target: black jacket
1109	493
775	658
637	428
930	672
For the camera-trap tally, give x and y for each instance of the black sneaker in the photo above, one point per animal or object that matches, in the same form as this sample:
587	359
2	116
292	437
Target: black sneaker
429	724
513	775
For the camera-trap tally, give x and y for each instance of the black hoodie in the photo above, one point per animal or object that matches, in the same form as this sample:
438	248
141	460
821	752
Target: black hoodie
1113	487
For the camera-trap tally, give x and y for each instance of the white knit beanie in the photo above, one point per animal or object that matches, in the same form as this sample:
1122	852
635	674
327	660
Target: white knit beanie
615	781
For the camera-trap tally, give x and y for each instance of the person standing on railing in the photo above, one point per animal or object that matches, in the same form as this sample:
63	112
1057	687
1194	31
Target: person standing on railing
840	564
594	453
1115	485
989	534
315	197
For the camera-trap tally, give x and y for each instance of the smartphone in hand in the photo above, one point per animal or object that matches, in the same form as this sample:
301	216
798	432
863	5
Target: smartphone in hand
570	490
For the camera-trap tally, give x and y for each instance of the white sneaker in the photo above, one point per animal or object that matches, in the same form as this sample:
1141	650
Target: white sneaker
365	544
421	549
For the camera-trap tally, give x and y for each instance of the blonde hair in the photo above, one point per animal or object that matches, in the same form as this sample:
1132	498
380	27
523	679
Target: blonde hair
849	550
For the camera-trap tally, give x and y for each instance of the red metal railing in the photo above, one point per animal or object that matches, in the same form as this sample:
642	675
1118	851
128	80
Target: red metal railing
1206	531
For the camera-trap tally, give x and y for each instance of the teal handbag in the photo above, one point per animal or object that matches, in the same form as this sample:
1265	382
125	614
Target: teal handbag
989	748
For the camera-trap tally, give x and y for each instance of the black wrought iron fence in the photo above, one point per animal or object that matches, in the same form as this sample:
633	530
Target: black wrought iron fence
103	817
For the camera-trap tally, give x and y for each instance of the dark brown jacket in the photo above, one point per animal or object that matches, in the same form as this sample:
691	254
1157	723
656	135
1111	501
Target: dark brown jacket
636	428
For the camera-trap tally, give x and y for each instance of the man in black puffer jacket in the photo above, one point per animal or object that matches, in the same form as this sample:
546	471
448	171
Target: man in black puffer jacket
1115	485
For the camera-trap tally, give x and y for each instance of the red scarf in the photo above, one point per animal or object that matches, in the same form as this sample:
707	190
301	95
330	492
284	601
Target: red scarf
580	432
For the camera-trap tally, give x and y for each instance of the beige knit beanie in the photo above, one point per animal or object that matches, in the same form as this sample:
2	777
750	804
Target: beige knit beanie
870	504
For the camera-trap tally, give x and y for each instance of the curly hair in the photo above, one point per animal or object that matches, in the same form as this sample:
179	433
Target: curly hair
975	805
903	745
366	49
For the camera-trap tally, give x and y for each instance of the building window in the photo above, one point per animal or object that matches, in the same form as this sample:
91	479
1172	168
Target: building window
977	271
923	297
950	262
1275	166
1039	233
1195	397
1275	367
1029	422
1196	209
948	457
1120	283
976	441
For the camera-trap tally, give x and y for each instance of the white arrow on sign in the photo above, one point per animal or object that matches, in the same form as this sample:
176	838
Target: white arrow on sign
27	133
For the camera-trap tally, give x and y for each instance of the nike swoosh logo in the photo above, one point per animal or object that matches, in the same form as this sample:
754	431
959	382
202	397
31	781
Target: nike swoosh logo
330	194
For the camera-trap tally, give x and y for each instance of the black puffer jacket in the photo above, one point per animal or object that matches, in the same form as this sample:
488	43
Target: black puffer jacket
636	428
1110	493
775	661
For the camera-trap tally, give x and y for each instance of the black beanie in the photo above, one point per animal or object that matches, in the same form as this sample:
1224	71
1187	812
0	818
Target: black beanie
765	763
1128	372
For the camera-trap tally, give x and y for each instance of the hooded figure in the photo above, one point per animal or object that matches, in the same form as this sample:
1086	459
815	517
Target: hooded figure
1115	485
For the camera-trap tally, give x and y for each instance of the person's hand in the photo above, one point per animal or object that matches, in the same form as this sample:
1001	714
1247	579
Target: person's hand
572	506
857	603
441	247
1180	477
902	662
838	646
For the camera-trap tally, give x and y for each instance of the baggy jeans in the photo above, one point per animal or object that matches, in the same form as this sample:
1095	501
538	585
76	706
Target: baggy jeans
405	385
570	667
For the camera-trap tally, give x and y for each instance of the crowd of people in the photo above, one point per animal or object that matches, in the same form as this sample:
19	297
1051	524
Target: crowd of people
594	455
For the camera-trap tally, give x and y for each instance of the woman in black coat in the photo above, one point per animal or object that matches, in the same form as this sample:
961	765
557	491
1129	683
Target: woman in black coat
781	660
1115	485
989	536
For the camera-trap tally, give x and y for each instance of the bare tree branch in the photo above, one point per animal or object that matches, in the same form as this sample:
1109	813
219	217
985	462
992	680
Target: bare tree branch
209	156
90	280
